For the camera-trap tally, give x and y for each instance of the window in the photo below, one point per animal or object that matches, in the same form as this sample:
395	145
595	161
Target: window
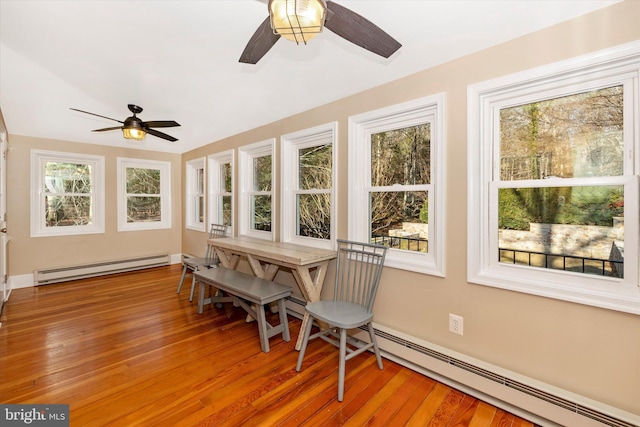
67	194
256	189
195	195
396	182
221	188
144	194
553	187
308	199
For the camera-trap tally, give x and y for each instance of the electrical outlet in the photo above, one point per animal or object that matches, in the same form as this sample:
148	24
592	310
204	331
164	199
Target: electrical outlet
456	324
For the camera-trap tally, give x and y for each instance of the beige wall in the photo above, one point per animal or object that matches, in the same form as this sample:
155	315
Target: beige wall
27	254
589	351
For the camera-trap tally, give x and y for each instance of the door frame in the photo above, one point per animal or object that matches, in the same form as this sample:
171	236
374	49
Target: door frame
5	288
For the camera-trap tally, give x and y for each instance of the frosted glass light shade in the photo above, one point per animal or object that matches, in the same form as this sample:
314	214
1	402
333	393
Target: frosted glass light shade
297	20
137	134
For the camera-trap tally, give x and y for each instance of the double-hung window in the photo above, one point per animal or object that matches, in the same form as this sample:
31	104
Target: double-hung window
67	194
308	197
553	181
195	194
221	188
256	189
396	182
144	194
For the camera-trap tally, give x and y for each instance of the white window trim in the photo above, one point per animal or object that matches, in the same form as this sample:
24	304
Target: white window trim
611	65
360	128
38	225
246	154
215	161
193	193
291	145
165	188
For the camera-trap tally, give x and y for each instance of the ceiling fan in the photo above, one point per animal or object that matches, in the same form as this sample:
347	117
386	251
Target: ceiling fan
301	20
134	128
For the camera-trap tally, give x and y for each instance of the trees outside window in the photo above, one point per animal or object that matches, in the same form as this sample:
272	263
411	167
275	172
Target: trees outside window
67	194
396	182
221	188
308	197
553	182
400	181
144	193
256	189
195	178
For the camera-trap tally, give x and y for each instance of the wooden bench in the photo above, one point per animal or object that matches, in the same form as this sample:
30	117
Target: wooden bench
243	290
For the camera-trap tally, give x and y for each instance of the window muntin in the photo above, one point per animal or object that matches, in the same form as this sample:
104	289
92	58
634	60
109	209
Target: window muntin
221	185
144	194
569	163
308	198
67	194
195	209
256	189
396	182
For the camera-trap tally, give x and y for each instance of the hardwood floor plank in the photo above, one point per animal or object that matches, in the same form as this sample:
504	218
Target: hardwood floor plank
126	350
429	405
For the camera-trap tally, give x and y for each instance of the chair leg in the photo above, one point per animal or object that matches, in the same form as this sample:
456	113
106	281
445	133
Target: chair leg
303	346
376	350
193	285
184	273
341	363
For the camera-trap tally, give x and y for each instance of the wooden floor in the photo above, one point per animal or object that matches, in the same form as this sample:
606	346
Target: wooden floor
126	350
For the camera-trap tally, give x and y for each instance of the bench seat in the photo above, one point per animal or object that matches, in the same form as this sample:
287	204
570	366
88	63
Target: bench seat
244	290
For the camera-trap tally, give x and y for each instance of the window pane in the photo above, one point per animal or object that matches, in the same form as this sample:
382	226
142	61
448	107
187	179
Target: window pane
315	167
143	209
67	210
314	215
200	180
400	219
200	209
225	214
573	136
401	156
567	228
262	173
67	178
225	177
261	213
143	181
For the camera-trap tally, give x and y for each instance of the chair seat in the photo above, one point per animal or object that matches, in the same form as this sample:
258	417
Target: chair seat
198	262
340	313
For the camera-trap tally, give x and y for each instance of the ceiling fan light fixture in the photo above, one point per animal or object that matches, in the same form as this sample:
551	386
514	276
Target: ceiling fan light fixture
134	133
297	20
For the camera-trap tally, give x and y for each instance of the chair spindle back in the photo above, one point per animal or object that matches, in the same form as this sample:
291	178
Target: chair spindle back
358	270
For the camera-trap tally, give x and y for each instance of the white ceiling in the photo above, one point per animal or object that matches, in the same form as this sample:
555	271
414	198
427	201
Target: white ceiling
179	61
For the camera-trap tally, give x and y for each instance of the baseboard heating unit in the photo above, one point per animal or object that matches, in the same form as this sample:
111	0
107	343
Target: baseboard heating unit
526	397
63	274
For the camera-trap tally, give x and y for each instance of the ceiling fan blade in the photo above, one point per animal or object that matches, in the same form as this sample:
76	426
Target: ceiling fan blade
358	30
161	124
94	114
160	135
105	129
259	44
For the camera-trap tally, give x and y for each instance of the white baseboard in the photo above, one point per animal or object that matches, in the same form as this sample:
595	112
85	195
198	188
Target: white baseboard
21	281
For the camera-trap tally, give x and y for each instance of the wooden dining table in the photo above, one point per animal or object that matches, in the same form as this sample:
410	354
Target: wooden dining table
307	264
